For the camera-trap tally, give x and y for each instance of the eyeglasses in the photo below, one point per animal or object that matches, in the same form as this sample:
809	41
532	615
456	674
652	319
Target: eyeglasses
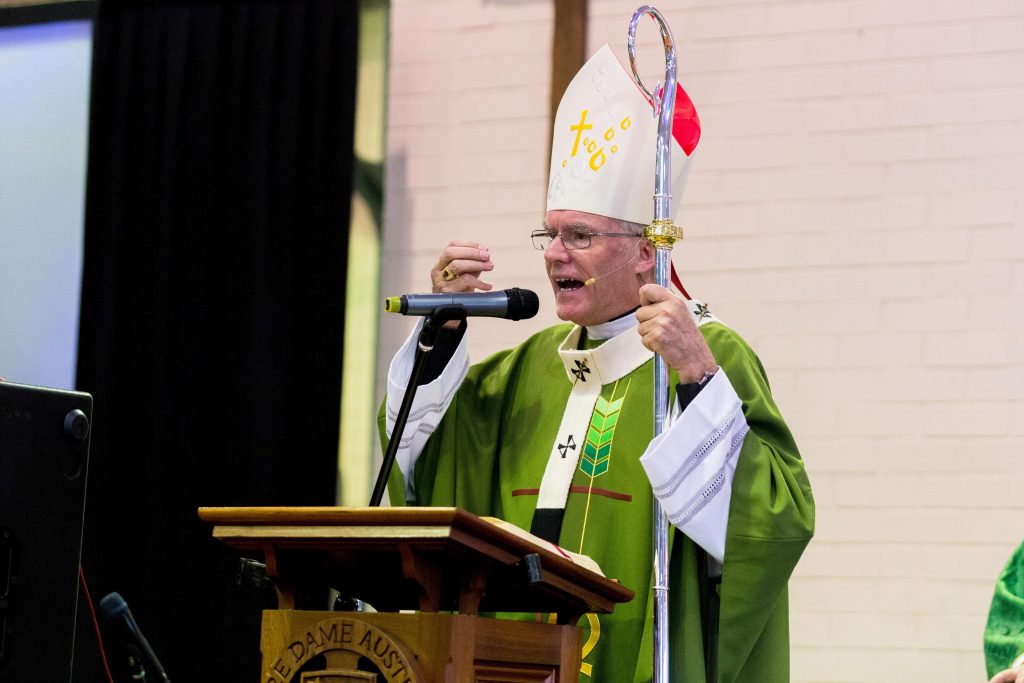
572	238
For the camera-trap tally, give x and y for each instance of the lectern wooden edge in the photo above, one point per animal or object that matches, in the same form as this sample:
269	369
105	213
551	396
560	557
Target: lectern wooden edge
446	563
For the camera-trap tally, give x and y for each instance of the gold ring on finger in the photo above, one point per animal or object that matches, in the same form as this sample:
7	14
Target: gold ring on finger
448	274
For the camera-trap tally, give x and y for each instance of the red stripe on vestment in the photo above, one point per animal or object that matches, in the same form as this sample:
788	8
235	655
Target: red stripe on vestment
615	495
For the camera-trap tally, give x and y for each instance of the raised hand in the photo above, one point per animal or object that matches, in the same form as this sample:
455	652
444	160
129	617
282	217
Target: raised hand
459	266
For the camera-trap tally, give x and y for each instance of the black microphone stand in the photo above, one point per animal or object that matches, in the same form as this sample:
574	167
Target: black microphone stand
424	345
251	571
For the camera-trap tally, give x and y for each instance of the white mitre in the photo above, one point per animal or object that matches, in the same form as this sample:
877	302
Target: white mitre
604	143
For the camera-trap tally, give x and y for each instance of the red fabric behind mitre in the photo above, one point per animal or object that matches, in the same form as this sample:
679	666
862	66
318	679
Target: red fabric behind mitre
685	123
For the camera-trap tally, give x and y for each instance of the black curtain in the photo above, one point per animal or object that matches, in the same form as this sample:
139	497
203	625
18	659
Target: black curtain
219	184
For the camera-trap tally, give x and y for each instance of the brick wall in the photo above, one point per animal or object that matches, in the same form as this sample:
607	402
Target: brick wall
855	210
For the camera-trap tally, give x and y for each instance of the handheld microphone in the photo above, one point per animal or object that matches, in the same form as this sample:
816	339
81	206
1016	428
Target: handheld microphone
513	304
115	609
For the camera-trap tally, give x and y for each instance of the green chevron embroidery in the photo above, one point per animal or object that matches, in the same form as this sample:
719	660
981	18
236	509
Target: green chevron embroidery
597	449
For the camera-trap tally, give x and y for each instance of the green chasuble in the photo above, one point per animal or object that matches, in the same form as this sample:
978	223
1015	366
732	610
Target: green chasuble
1004	632
489	453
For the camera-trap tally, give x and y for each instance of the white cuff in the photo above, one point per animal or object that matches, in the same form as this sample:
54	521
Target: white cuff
691	464
429	406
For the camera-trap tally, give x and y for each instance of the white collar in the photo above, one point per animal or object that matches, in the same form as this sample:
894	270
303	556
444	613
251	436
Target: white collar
616	358
612	328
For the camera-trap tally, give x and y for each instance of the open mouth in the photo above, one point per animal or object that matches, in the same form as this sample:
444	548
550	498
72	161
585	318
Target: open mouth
567	284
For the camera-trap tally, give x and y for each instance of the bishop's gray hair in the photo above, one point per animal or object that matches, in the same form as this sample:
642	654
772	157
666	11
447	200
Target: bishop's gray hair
630	227
638	230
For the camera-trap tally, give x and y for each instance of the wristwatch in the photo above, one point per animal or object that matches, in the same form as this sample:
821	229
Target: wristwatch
707	377
687	392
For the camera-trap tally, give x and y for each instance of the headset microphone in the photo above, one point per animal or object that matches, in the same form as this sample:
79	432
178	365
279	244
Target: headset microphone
591	280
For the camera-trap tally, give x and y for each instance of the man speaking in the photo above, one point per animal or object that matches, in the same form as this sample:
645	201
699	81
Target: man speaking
554	435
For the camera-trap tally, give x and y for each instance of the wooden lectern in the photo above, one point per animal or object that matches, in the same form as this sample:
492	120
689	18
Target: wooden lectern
446	563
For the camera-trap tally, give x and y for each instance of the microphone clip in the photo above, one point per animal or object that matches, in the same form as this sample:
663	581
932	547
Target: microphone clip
435	321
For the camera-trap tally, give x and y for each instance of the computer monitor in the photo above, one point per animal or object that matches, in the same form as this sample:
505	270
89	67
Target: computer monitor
44	454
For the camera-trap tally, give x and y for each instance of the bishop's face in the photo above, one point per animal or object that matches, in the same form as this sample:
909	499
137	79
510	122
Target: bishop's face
613	258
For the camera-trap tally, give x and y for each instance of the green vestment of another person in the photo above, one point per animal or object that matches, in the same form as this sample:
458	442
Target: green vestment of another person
1004	632
489	450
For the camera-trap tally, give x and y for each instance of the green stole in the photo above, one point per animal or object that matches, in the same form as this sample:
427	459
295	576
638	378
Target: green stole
587	429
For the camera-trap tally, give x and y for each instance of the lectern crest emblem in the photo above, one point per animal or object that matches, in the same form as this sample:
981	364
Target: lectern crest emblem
343	643
337	676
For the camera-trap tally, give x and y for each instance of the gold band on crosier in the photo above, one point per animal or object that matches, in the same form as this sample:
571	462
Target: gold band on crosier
448	274
663	233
